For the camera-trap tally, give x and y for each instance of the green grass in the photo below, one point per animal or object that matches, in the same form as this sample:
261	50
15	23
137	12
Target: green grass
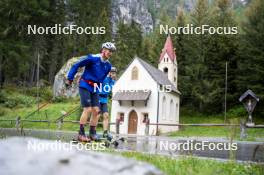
196	166
225	132
21	102
233	117
51	112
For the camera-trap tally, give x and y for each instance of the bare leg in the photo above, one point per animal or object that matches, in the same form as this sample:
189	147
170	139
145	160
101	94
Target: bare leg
85	114
95	116
93	123
83	120
105	121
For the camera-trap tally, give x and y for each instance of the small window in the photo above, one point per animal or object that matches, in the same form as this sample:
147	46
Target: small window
177	109
134	73
172	109
121	116
165	70
145	117
163	112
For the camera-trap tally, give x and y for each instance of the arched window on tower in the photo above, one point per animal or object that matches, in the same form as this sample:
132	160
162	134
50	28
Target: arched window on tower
134	73
165	70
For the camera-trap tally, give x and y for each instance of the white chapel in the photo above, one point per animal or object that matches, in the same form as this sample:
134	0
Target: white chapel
144	92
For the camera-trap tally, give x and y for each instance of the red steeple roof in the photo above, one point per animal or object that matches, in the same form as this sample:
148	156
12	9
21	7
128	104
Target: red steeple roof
168	48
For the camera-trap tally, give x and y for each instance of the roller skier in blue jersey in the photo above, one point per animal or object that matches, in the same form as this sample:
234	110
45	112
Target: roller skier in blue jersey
97	67
107	86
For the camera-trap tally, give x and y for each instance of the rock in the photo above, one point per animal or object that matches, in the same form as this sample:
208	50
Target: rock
59	88
17	157
128	10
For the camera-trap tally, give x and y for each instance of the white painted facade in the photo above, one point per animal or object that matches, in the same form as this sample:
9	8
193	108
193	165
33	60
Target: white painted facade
169	110
172	68
144	82
158	109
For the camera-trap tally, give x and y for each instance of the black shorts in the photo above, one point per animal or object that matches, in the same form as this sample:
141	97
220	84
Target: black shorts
103	108
88	99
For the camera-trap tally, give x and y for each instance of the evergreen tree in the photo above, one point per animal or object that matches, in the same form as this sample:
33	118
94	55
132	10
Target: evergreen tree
251	53
184	84
102	21
222	50
202	90
128	42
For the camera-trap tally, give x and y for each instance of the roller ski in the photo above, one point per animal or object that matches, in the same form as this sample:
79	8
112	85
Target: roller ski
85	139
81	139
111	141
108	141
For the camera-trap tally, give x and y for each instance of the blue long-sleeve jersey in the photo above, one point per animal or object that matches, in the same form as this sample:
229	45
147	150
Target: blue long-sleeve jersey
107	86
96	70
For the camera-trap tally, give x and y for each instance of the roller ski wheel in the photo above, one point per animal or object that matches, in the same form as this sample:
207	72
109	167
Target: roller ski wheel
81	139
107	144
115	143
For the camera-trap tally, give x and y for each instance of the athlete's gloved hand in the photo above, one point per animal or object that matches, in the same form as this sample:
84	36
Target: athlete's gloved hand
68	83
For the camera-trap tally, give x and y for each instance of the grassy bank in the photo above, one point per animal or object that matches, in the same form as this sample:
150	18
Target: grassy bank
196	166
233	117
23	101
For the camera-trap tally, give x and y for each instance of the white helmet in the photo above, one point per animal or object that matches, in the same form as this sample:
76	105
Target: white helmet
109	45
113	69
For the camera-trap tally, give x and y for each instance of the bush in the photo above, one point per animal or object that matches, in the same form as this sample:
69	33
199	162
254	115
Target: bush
237	112
3	96
10	98
3	111
45	93
59	99
10	103
19	101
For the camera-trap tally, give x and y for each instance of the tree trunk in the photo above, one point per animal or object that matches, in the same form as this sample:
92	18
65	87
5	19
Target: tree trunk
32	75
2	73
52	72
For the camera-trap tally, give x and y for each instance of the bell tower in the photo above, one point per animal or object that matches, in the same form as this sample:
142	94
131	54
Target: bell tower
168	63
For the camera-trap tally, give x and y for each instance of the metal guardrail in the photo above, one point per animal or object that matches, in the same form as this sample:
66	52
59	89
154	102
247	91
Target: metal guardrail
193	124
39	108
243	126
67	113
59	121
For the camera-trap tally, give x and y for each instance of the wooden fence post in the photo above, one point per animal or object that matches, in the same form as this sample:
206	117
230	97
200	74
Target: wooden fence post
147	127
60	123
243	130
17	122
117	125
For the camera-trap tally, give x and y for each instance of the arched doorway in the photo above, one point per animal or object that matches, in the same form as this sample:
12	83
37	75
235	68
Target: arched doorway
132	122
